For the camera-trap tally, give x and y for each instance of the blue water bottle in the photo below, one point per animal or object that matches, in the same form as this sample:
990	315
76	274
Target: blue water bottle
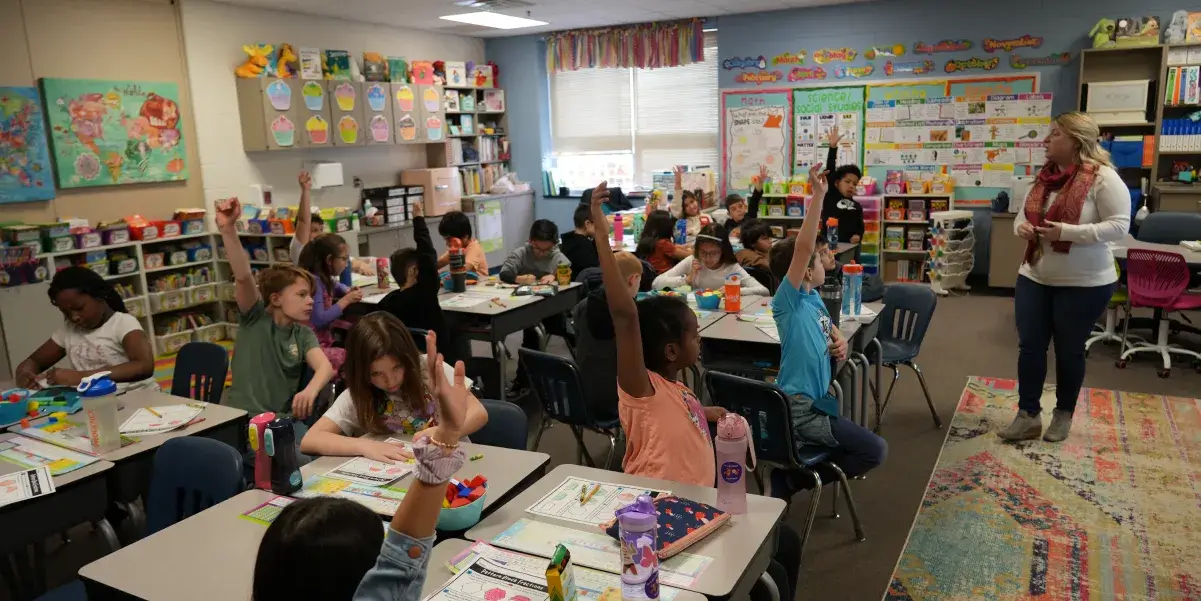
852	289
832	235
681	231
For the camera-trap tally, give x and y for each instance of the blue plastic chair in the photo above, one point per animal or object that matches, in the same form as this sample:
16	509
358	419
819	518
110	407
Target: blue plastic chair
908	310
1170	227
200	370
72	591
419	337
507	426
190	475
555	382
766	409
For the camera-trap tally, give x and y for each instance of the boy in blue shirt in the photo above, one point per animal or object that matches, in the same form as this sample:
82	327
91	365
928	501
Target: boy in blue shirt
808	339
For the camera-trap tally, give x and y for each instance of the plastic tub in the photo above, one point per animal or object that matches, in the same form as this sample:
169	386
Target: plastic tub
462	518
167	301
16	411
171	343
201	294
210	333
708	302
231	331
226	291
136	306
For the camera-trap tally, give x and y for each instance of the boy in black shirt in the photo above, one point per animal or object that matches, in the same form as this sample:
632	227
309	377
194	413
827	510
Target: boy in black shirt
839	202
416	272
577	245
739	210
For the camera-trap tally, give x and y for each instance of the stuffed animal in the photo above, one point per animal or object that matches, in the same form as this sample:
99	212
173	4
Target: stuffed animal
256	61
1103	33
495	74
1178	28
287	62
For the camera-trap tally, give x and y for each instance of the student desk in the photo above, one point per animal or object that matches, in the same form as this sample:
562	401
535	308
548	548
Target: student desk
508	470
1193	258
79	496
131	475
740	551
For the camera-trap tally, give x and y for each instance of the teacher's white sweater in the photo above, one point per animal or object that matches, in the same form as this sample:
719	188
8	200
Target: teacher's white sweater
1104	218
708	279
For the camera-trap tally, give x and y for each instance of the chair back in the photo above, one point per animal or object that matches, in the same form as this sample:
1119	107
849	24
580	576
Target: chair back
507	426
590	278
648	276
190	474
419	335
908	309
1155	278
200	370
556	383
764	277
765	408
1170	227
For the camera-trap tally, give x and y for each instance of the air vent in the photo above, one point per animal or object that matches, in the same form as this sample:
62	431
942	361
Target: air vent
494	4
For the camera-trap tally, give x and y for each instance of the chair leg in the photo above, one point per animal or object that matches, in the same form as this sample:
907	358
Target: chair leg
110	535
926	391
137	517
773	591
834	505
612	449
546	424
582	450
846	487
896	373
814	500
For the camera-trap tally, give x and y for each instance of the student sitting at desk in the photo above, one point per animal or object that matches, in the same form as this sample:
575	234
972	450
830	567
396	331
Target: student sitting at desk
656	245
577	245
325	549
309	224
416	272
712	262
388	391
756	245
273	343
595	347
737	207
535	263
98	335
808	338
324	257
456	225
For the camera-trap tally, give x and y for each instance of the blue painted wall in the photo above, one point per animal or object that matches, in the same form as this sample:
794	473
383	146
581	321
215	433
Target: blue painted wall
522	68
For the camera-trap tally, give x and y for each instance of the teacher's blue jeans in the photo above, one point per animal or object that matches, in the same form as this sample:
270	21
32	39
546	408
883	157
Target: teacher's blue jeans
1065	314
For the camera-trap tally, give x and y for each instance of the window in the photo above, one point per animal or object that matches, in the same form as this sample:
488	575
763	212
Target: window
626	124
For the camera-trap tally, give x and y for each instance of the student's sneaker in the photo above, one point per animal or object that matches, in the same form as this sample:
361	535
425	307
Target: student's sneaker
1024	427
1061	426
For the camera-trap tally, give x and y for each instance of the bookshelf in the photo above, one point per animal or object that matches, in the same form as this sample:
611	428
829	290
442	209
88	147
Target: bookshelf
477	142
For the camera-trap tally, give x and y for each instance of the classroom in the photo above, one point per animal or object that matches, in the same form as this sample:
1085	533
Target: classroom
359	300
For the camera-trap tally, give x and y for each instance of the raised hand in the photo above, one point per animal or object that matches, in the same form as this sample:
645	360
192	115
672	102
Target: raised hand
306	181
228	212
762	179
600	195
817	179
834	137
452	397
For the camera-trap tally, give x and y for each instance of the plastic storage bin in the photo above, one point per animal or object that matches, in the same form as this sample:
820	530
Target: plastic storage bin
231	331
171	343
210	333
227	292
136	306
204	293
167	301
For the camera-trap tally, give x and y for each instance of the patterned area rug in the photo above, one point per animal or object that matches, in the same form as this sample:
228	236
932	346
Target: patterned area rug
1113	512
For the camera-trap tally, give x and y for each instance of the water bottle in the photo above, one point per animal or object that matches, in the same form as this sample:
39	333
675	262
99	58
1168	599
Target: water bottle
832	233
681	231
563	275
280	441
458	265
733	294
618	230
381	273
262	461
831	295
99	401
733	439
852	289
637	525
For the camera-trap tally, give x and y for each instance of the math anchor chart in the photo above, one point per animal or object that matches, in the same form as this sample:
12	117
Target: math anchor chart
757	132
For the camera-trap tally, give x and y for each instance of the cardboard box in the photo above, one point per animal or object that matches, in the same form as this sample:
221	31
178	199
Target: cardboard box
443	188
560	579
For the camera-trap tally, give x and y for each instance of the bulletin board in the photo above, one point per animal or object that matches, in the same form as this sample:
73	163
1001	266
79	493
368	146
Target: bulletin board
756	130
815	111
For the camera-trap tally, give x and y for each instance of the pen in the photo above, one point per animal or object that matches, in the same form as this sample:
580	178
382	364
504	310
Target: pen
156	413
496	300
589	497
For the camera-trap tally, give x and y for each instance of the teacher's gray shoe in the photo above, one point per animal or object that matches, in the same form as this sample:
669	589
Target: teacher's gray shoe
1061	426
1024	427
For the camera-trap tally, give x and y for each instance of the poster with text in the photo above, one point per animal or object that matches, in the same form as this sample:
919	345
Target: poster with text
815	112
755	131
24	155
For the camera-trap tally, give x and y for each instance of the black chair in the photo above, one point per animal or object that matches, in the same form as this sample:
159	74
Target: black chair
200	370
590	278
419	337
1170	227
190	475
648	276
555	382
764	277
507	426
766	410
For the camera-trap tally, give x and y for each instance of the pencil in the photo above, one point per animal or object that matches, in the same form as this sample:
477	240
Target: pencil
595	488
583	489
498	303
156	413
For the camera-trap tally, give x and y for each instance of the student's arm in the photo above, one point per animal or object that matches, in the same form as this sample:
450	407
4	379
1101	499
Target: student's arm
443	260
675	277
631	369
749	285
832	138
680	252
321	316
476	415
510	271
806	240
246	290
855	228
302	402
752	204
326	438
40	360
304	221
677	195
427	255
141	359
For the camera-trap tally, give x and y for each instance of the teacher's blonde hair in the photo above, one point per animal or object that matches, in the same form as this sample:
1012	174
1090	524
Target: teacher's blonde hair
1081	128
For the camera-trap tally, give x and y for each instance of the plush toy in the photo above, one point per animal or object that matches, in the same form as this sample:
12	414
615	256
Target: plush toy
256	61
439	73
1103	33
495	74
1178	28
287	62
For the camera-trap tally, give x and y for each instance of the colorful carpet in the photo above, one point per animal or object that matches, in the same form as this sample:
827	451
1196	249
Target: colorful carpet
1113	512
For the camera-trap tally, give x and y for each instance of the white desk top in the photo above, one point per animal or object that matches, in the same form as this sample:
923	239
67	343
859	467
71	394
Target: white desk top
213	416
1120	248
747	329
504	298
732	548
86	471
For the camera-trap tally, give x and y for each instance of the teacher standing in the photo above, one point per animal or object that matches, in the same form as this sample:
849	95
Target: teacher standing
1077	206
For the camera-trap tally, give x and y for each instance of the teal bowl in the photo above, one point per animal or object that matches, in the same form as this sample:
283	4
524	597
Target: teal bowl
462	518
708	302
14	412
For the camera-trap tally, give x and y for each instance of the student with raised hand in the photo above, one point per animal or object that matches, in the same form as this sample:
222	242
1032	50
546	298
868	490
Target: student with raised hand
388	391
839	201
739	211
325	549
416	272
325	257
712	262
97	335
808	338
309	225
273	345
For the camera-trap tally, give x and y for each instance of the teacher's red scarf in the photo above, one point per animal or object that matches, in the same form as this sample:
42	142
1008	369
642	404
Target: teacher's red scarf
1073	185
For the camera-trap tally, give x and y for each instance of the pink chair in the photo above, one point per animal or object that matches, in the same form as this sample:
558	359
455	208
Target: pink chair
1158	280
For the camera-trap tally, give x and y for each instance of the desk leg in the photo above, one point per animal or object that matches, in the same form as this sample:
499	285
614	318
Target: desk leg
502	359
878	389
864	386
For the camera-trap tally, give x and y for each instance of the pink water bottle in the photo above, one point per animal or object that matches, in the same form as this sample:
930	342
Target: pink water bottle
262	459
618	230
733	439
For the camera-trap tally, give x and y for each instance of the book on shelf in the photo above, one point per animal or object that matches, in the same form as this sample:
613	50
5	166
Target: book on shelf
479	179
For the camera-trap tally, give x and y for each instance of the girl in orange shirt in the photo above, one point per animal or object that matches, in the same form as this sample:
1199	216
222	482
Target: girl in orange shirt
655	246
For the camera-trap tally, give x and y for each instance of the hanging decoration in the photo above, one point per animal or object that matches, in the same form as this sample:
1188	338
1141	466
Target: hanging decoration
843	71
759	77
830	55
1027	41
745	62
806	73
790	58
1022	62
884	51
915	67
644	46
983	64
943	46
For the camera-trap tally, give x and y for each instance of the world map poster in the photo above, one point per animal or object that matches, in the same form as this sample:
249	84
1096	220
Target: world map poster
24	157
104	133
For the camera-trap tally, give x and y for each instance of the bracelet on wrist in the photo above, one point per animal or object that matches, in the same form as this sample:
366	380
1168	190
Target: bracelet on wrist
444	445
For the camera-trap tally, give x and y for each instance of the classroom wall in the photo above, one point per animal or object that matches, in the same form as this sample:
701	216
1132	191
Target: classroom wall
522	62
100	39
213	37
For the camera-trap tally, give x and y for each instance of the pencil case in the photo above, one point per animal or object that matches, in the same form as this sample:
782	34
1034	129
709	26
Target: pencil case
682	522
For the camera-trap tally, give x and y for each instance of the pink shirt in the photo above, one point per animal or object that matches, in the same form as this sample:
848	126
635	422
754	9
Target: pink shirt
668	437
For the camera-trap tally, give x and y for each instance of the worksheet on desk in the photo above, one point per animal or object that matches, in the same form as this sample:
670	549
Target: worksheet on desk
361	470
566	501
29	453
770	330
486	580
464	300
157	420
24	485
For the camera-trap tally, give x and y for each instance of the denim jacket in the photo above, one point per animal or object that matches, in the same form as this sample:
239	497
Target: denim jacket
397	575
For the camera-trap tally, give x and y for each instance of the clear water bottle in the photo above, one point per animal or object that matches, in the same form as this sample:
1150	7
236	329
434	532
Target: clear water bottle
832	234
852	289
638	534
99	401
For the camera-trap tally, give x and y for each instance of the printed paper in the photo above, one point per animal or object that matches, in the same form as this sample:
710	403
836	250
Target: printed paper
563	502
361	470
383	500
464	300
144	421
29	453
28	484
770	330
489	581
267	512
